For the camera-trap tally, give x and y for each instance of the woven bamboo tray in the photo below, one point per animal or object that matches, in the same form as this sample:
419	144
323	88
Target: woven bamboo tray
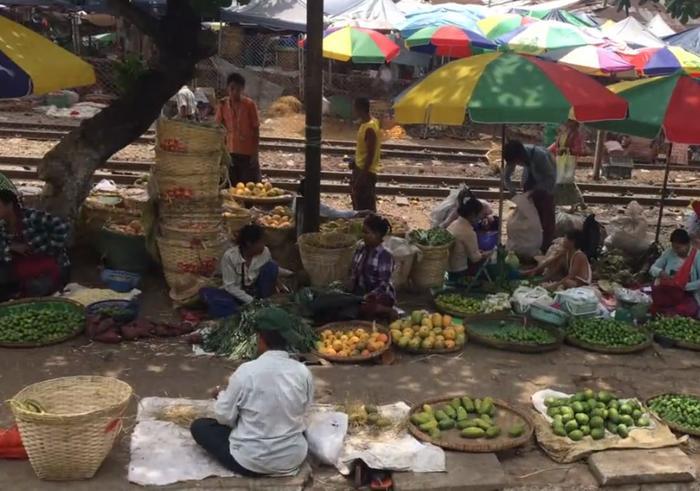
421	351
446	309
29	301
452	440
622	350
476	336
352	325
668	342
670	424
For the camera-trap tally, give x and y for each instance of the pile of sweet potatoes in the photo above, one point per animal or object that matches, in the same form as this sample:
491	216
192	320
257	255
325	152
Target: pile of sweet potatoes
106	330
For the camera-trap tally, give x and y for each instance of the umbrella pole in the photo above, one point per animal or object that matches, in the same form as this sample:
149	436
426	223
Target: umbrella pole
500	254
663	191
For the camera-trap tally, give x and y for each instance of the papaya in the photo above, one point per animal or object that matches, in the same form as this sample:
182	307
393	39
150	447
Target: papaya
461	413
517	430
486	405
434	434
466	423
473	433
421	418
493	432
427	408
480	423
450	411
428	426
446	424
455	403
416	316
468	404
440	415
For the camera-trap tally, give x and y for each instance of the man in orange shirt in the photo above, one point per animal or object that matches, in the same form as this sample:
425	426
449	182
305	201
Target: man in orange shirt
239	115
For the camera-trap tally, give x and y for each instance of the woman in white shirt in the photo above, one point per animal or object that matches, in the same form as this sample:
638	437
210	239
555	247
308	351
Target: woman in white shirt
248	273
465	257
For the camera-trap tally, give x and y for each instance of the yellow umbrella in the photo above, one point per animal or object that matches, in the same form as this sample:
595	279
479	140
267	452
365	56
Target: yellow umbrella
31	64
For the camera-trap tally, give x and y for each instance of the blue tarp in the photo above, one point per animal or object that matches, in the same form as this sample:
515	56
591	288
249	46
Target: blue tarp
415	22
688	40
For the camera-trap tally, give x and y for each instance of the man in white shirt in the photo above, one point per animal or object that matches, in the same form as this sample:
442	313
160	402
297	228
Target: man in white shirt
186	103
259	426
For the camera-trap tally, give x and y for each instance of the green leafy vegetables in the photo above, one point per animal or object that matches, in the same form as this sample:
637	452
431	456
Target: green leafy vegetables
433	237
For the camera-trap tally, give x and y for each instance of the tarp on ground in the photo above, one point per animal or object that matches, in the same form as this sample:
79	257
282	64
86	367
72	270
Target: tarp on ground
688	39
370	14
659	28
633	33
278	15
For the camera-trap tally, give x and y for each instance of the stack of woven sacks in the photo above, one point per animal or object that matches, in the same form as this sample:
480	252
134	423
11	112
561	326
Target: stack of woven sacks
190	168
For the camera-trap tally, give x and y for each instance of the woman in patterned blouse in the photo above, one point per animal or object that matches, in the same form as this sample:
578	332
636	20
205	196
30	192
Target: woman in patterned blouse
372	266
33	257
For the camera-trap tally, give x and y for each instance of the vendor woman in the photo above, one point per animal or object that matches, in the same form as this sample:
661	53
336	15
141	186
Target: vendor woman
569	268
372	266
33	257
248	273
466	257
676	289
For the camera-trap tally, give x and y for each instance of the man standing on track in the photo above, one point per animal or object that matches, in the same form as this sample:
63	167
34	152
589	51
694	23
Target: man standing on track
239	115
539	177
366	165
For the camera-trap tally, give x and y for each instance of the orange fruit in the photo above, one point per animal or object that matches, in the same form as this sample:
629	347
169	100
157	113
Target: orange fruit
365	352
382	338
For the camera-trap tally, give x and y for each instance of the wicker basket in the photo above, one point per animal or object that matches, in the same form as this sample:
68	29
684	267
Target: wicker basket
183	164
189	187
176	209
192	227
429	271
277	236
200	257
235	221
351	326
326	265
82	419
135	198
186	137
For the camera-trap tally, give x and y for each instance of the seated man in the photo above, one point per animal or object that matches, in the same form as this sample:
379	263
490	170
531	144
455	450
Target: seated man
259	426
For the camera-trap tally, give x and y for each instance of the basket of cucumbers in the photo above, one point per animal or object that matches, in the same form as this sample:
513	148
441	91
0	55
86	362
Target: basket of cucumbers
680	332
607	336
469	424
681	412
35	322
514	333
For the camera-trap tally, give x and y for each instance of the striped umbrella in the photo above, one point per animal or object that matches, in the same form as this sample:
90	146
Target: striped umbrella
591	60
547	35
506	88
359	46
498	25
448	40
664	61
31	64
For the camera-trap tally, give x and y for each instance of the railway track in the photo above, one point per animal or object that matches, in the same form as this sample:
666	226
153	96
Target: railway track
417	186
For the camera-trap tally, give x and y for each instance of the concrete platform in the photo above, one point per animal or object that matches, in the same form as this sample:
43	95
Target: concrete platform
295	483
618	467
465	472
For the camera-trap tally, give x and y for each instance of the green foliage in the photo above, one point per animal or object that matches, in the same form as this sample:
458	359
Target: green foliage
127	72
683	10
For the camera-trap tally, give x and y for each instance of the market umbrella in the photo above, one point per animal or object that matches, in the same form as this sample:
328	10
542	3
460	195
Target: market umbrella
505	88
447	40
591	60
359	46
563	16
547	35
496	26
439	17
670	104
31	64
664	61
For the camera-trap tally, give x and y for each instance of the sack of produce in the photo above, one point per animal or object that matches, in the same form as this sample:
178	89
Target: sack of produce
578	301
628	233
429	269
404	254
325	433
524	296
524	228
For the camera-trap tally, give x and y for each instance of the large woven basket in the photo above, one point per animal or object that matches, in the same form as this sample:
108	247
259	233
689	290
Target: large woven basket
429	271
200	257
82	420
196	186
326	265
235	220
183	164
186	137
191	227
176	209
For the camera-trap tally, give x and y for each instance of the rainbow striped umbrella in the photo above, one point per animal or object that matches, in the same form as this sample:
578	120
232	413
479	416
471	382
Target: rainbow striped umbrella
547	35
359	46
31	64
591	60
496	26
664	61
506	88
448	40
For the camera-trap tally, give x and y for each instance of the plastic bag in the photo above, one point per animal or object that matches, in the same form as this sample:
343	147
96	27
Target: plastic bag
632	296
566	222
325	433
524	228
400	248
628	233
11	446
524	296
106	186
446	212
566	168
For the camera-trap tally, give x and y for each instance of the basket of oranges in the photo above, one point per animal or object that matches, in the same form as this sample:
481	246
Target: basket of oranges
260	193
352	341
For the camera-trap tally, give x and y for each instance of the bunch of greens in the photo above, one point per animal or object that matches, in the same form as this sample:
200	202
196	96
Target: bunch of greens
433	237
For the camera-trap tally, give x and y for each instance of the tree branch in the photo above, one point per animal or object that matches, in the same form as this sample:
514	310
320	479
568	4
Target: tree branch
144	22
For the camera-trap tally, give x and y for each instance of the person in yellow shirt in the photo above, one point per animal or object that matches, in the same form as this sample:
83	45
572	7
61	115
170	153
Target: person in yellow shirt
366	165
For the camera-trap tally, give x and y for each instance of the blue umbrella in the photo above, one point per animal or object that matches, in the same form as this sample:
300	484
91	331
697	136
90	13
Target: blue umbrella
466	20
688	39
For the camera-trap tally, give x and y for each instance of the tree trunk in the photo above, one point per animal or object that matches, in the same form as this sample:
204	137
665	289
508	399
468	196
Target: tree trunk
69	166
